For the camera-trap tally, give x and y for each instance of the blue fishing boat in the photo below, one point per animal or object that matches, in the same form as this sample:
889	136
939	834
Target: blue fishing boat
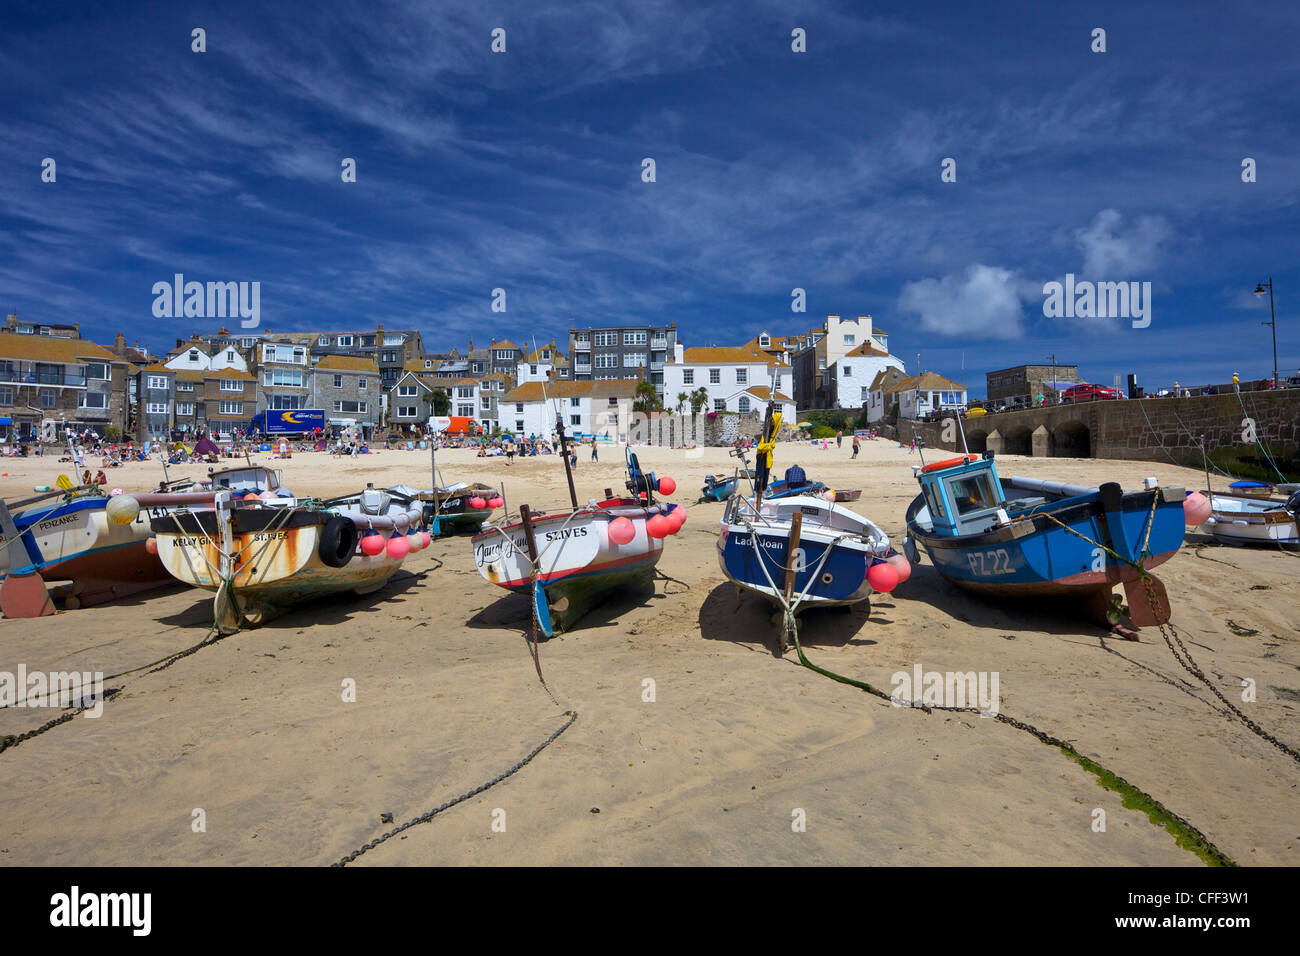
794	483
719	487
801	551
1025	538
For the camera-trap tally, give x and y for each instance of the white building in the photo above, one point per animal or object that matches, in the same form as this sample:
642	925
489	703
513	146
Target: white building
852	375
736	379
928	392
194	357
881	393
587	408
539	365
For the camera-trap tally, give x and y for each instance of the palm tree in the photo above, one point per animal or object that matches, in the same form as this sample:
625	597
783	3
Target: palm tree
647	399
698	399
682	399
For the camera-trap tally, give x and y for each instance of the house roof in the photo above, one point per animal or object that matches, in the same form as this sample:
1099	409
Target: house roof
925	380
465	381
762	392
866	350
45	348
187	374
347	363
724	355
505	344
536	354
888	375
230	374
606	388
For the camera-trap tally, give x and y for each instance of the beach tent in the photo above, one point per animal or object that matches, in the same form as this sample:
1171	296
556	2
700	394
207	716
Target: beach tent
206	446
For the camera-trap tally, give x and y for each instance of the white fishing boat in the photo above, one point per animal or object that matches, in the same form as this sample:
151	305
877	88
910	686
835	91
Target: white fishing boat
264	555
1255	517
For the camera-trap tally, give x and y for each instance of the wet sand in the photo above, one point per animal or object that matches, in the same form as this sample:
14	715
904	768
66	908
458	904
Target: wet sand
254	731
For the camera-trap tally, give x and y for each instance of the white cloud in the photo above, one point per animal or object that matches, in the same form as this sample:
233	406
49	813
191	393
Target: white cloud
1111	253
981	302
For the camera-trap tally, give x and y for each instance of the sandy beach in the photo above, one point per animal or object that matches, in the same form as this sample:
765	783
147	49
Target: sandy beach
253	729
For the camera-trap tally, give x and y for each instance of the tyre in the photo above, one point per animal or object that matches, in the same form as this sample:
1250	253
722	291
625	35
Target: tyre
338	541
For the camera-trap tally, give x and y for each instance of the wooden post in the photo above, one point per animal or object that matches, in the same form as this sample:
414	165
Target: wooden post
796	527
526	516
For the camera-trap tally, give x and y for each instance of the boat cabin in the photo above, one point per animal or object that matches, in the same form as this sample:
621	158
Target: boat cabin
250	479
963	499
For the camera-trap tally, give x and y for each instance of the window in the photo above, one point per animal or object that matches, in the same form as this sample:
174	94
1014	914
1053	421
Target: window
606	339
289	377
532	370
287	402
764	341
184	408
486	402
519	407
744	405
93	400
465	392
230	355
367	341
428	363
406	411
323	340
546	355
575	421
847	371
719	405
184	386
742	376
407	391
47	398
285	354
465	411
634	338
158	382
157	408
230	408
194	355
97	371
865	394
972	492
821	365
231	385
575	402
356	407
338	381
848	340
715	376
635	359
361	383
388	356
688	376
582	337
519	424
607	360
6	396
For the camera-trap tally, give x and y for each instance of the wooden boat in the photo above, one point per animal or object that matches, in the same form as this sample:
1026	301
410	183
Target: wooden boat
801	551
1253	514
719	487
459	506
794	483
68	535
1024	538
850	494
263	556
569	560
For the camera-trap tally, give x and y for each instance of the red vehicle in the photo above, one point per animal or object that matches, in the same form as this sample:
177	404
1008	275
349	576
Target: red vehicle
1083	392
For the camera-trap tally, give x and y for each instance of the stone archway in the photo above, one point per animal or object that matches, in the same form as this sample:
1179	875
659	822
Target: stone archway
1071	439
977	441
1018	441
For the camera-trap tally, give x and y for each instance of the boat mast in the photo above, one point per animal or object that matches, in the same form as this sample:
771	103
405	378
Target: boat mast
564	444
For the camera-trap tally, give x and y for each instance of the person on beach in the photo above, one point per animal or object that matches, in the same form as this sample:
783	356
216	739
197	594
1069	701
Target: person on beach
856	446
509	445
594	456
839	439
1236	383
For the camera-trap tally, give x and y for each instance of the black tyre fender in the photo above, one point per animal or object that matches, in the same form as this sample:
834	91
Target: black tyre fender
338	541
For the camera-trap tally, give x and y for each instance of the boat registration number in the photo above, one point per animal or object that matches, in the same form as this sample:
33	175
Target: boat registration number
989	562
271	536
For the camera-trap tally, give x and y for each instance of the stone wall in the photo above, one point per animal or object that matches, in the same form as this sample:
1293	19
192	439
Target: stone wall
1145	429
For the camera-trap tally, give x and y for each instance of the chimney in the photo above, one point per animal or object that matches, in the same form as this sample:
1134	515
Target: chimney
119	344
679	353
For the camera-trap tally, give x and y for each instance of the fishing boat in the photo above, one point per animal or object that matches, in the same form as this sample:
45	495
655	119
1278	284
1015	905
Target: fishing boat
719	487
460	506
568	560
802	551
263	555
77	534
1255	513
1025	538
795	482
848	494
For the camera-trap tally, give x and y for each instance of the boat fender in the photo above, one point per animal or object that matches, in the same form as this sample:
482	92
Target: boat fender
949	463
338	541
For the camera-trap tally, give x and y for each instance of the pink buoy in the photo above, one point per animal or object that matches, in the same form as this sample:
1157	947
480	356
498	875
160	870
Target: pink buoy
622	530
495	502
426	539
882	577
115	491
1197	509
476	502
372	543
829	495
901	565
667	486
398	547
658	527
251	496
151	544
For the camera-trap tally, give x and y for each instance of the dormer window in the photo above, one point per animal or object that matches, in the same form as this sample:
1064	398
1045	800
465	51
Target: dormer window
764	341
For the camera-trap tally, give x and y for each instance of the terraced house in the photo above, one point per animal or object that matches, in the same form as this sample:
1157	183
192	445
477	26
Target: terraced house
229	400
347	388
65	380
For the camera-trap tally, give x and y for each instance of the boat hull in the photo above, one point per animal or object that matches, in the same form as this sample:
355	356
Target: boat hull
577	562
1252	519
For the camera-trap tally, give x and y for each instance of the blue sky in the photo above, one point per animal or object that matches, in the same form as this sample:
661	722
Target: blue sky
775	170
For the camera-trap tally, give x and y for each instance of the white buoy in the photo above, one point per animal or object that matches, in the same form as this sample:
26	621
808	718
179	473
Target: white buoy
122	509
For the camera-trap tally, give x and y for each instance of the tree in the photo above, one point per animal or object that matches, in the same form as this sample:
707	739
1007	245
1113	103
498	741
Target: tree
647	399
682	399
698	399
439	401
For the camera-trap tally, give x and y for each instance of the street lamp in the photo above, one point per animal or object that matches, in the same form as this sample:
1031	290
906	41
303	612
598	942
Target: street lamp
1259	290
